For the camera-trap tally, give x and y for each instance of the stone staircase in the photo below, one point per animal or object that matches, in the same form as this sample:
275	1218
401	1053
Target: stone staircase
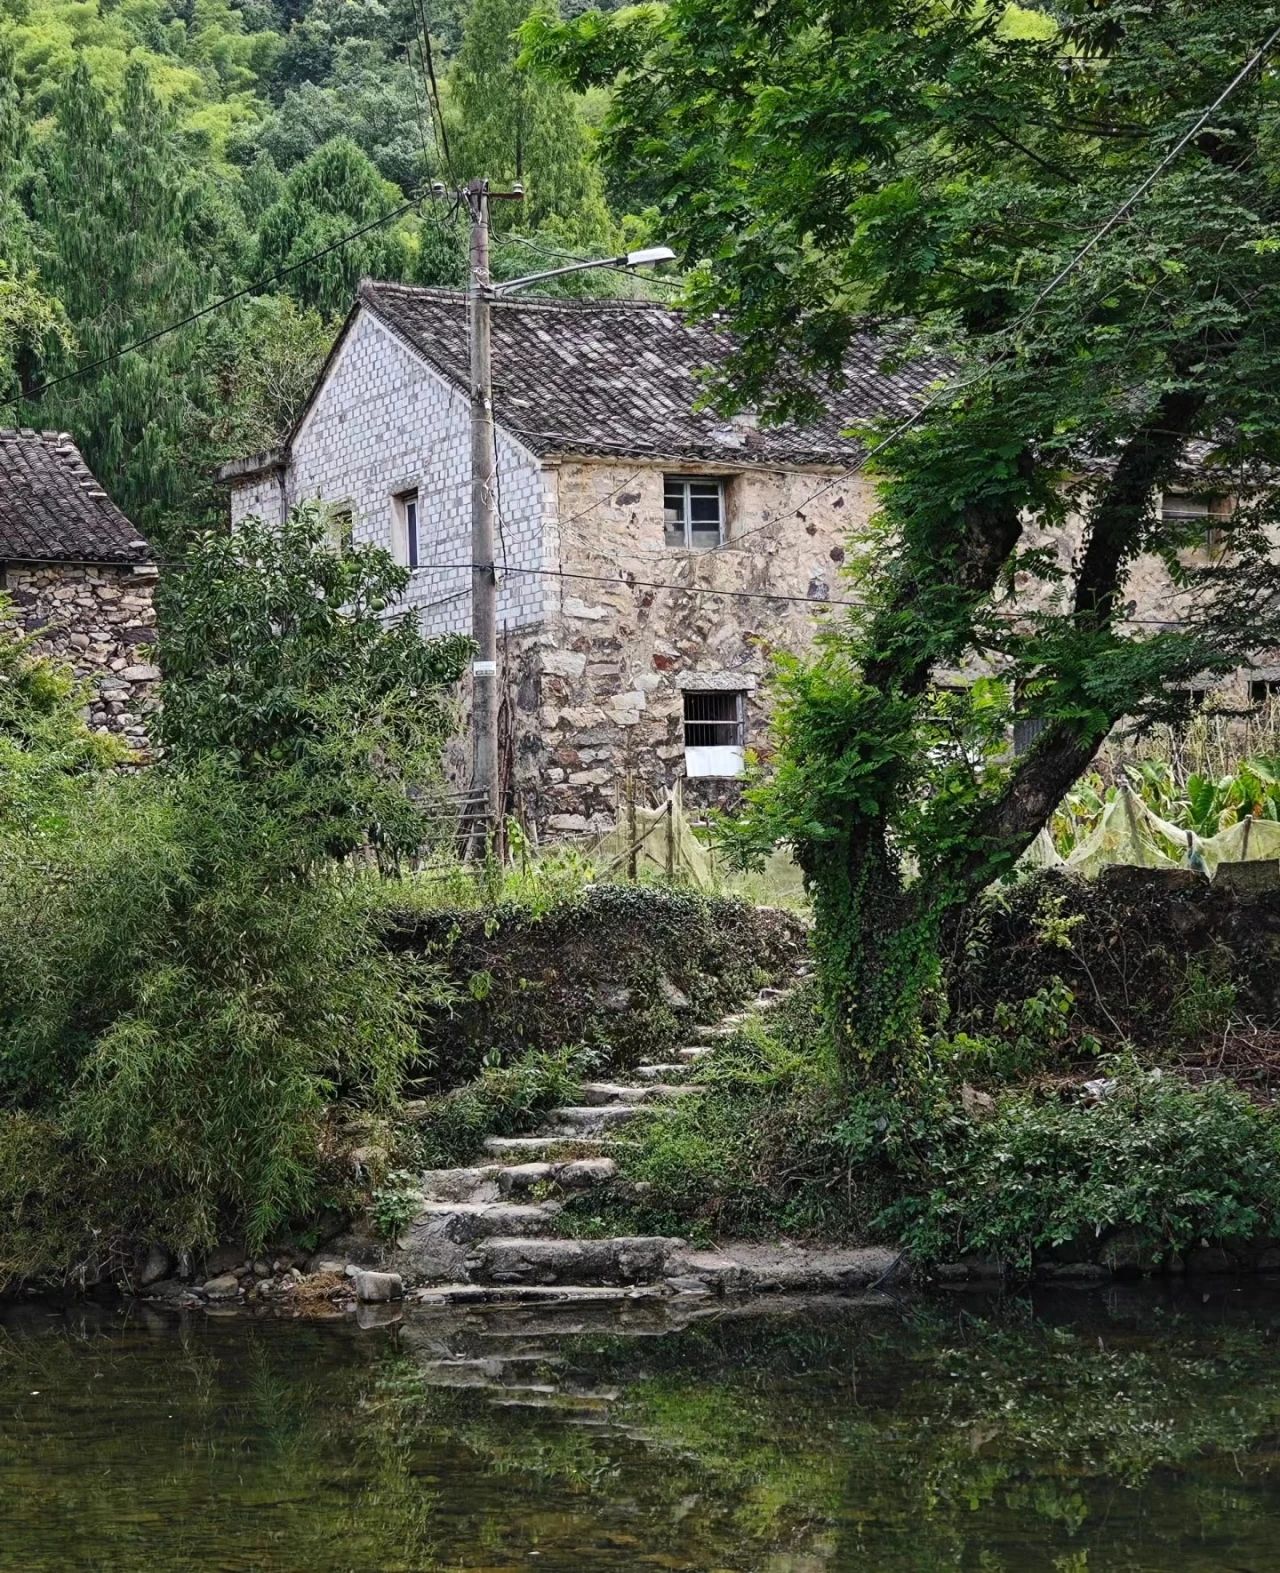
491	1231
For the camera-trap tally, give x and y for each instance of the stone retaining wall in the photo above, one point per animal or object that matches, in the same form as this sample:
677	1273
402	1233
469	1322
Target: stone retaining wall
100	618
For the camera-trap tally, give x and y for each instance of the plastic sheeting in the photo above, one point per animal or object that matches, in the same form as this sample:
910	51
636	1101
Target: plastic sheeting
1130	833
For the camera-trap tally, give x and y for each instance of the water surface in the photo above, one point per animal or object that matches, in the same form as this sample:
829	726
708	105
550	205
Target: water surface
1118	1432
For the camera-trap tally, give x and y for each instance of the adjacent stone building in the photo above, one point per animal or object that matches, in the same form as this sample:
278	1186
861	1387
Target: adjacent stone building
652	555
80	576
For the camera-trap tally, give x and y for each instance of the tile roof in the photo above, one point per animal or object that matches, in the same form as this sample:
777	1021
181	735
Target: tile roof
52	508
620	378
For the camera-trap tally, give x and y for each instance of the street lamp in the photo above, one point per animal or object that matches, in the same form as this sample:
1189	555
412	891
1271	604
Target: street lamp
484	583
629	259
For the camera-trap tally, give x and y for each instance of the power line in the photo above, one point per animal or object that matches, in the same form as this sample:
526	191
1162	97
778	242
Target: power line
434	90
205	311
626	581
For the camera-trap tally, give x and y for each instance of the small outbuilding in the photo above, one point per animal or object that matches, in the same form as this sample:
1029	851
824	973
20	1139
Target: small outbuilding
80	577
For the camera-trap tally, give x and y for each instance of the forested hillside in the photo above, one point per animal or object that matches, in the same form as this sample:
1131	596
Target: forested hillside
159	155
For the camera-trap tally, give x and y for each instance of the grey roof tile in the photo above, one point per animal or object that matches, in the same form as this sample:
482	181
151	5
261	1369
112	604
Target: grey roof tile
622	378
53	509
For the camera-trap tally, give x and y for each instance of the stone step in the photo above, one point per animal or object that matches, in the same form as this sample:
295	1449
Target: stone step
695	1051
480	1183
623	1260
578	1174
475	1220
605	1092
575	1299
435	1246
590	1119
494	1182
549	1147
657	1072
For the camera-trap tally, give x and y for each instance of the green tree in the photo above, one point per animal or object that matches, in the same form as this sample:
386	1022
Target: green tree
117	211
28	314
335	191
513	125
278	660
940	166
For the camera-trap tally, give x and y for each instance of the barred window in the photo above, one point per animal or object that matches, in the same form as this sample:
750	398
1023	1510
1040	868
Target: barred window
714	733
1206	515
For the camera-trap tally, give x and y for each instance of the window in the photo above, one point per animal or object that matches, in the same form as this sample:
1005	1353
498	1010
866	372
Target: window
1185	702
693	511
1202	516
340	527
713	734
1025	731
405	538
1262	690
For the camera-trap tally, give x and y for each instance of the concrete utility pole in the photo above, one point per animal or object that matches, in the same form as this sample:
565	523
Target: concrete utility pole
481	293
484	581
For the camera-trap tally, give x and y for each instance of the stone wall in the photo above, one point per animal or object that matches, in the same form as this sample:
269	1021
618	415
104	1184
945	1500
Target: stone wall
635	622
101	620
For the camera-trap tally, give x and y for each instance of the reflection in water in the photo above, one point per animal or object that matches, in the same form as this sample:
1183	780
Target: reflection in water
1120	1433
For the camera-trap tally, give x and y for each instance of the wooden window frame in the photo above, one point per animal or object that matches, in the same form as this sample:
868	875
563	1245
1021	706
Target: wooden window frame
684	484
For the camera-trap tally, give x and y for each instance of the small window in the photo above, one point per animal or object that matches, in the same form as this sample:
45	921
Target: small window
693	511
1262	690
405	532
1186	702
713	733
1025	731
1200	515
340	528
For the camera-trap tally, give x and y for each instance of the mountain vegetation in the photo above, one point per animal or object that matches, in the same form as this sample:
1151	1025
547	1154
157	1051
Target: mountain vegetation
158	156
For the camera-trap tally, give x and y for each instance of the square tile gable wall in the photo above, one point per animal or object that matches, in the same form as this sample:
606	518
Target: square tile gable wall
384	423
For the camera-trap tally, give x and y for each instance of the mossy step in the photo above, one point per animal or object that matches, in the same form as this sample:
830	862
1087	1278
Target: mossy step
492	1182
605	1092
694	1051
622	1260
592	1119
657	1072
549	1146
467	1221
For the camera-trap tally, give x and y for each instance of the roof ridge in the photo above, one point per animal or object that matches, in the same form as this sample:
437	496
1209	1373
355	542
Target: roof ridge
452	296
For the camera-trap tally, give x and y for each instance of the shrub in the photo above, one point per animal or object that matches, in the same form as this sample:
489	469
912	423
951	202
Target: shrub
182	1011
756	1153
1176	1165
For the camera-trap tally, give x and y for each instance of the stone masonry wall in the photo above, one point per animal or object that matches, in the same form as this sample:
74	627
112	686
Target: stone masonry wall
601	685
384	423
101	620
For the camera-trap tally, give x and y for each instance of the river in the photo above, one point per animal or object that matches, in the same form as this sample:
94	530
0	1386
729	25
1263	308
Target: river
1120	1431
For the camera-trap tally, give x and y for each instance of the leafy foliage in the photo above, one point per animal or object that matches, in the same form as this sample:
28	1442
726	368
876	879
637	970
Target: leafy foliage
154	160
46	749
278	661
1170	1165
933	171
504	1100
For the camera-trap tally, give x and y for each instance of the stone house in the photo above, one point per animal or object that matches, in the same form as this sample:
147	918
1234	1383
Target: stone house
80	577
652	555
